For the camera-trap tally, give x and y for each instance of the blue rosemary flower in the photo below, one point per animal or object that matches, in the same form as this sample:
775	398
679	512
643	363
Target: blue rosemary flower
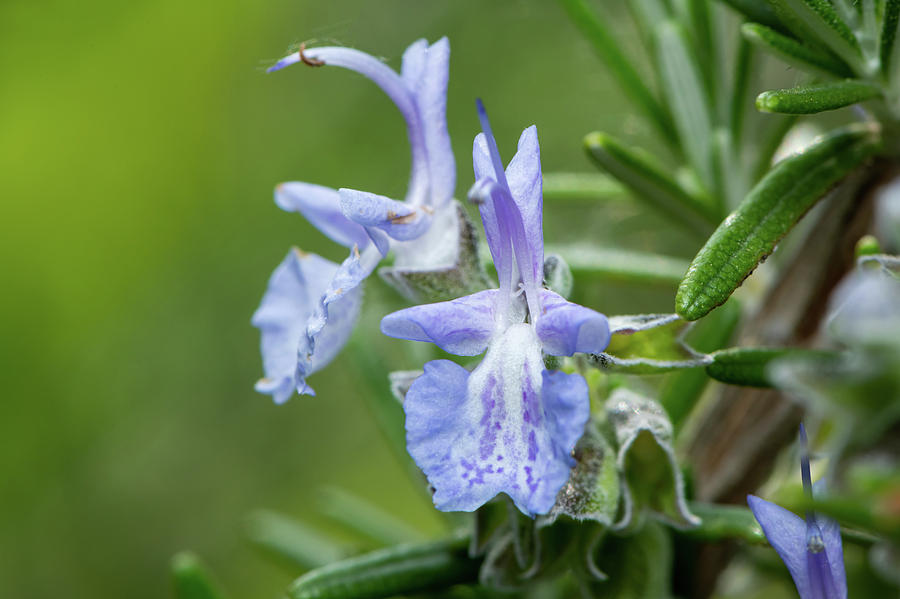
311	304
811	547
510	425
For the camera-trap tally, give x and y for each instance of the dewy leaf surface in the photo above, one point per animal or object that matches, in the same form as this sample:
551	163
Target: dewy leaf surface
817	98
788	49
768	212
816	21
652	481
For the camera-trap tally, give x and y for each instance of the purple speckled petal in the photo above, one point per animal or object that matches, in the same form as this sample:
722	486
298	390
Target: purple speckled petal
333	315
399	220
786	533
565	328
462	326
322	207
508	427
294	289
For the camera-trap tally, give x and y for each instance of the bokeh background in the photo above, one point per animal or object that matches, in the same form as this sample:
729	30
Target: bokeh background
139	146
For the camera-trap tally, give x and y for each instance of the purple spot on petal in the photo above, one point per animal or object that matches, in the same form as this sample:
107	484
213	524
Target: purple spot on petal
532	446
529	479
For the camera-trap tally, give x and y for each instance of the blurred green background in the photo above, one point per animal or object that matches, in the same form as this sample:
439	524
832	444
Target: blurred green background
139	146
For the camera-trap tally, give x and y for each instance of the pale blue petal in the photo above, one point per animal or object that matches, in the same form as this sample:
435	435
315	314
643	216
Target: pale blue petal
462	326
399	220
332	318
413	64
505	428
565	328
786	533
380	239
431	98
289	301
396	89
526	184
484	174
831	534
322	207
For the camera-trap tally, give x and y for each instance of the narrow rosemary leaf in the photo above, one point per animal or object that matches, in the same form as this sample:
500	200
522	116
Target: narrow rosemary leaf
581	186
610	52
889	34
642	174
725	522
292	541
700	27
811	60
756	11
191	580
738	107
685	93
769	211
817	22
746	366
624	265
404	569
817	98
365	518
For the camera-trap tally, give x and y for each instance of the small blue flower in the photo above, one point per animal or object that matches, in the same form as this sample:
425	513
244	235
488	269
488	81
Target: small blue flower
811	548
510	425
311	304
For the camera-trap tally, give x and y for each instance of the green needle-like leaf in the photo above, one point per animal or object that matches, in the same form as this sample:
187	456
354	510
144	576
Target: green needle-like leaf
746	366
292	541
404	569
685	93
191	580
622	265
365	518
788	49
769	211
610	52
757	11
817	22
581	186
890	21
640	172
817	98
725	522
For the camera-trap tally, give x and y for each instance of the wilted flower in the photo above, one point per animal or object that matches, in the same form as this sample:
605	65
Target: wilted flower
810	549
510	425
311	304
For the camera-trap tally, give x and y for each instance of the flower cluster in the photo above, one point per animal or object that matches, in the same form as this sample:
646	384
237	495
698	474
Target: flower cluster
311	304
510	425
